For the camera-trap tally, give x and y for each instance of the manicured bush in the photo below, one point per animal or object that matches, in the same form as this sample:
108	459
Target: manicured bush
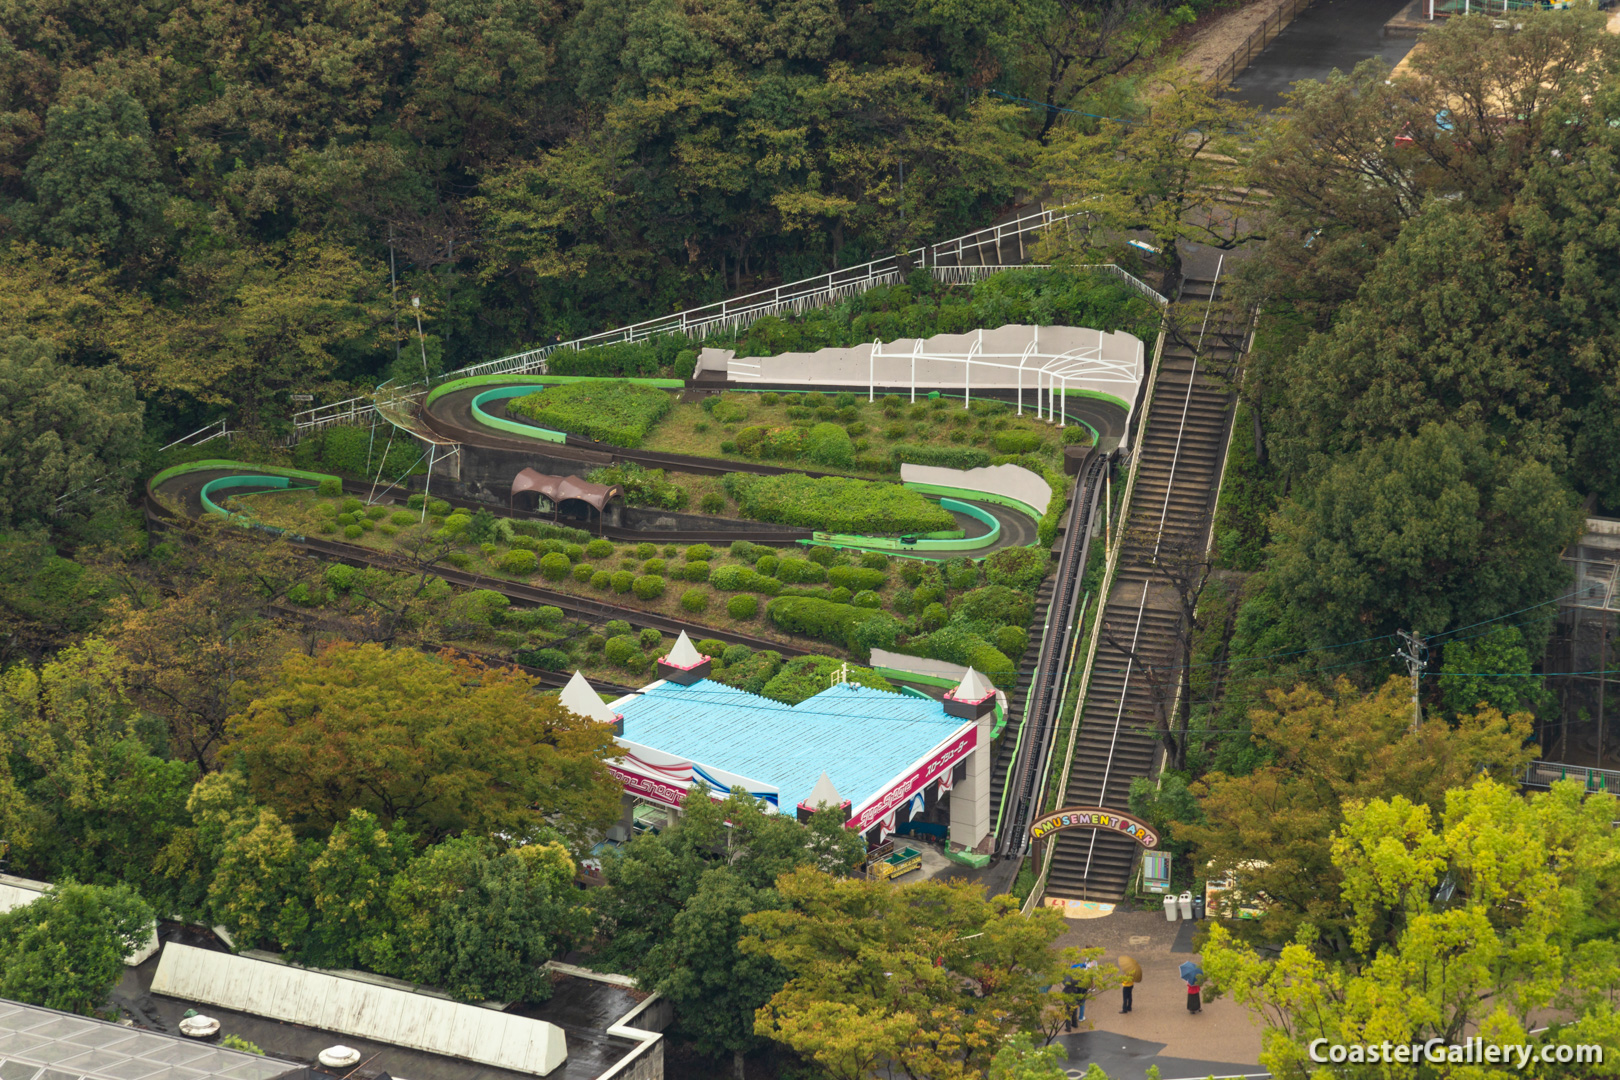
549	659
602	580
623	581
933	617
695	571
352	505
713	503
1017	442
856	578
839	595
829	445
653	566
616	626
867	598
699	553
948	457
1017	567
1076	435
826	556
648	586
583	572
651	638
743	578
743	606
711	647
353	532
800	571
695	600
594	643
599	549
961	574
819	619
874	560
459	559
742	549
367	524
642	486
1011	640
376	513
928	593
517	561
340	577
554	567
329	488
610	411
878	630
993	606
621	648
837	504
346	519
385	529
767	565
646	551
327	527
574	552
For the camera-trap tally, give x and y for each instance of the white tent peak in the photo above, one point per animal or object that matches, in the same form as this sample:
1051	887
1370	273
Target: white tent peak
578	697
824	794
973	687
684	655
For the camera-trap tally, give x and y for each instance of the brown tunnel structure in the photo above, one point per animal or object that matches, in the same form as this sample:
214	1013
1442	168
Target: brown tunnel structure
560	489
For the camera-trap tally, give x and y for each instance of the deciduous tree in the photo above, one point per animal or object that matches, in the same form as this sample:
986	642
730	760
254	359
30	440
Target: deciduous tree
66	950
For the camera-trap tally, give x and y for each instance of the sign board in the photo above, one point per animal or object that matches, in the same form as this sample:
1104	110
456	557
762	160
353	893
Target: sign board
1155	871
1094	817
303	397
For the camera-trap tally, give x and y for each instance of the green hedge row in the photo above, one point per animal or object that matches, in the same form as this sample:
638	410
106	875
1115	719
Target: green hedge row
607	410
858	629
669	354
945	457
355	451
837	504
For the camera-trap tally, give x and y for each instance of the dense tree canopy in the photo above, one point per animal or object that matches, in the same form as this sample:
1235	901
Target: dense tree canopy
66	950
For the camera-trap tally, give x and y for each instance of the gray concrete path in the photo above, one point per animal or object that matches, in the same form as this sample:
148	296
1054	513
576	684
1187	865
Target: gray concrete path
1326	35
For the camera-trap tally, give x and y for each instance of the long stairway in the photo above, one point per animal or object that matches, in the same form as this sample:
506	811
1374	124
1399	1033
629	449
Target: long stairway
1018	698
1132	680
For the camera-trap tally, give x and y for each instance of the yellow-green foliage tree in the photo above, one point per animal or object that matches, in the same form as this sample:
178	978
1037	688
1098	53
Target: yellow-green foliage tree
1493	916
928	980
1275	826
441	745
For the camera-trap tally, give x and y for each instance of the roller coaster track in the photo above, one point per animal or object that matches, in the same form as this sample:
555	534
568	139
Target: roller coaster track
1170	502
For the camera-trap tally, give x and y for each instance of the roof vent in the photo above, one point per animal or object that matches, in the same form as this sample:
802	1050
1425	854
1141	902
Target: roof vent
338	1057
199	1027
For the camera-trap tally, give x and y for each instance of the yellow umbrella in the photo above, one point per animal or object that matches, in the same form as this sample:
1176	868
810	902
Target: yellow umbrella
1129	968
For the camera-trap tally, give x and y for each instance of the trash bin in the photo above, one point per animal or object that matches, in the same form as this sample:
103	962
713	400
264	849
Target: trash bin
1198	907
1186	905
1170	907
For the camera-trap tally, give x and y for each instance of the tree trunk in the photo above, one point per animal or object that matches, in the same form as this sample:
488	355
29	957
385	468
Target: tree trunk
737	1064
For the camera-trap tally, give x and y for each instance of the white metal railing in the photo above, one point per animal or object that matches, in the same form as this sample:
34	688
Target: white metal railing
216	430
794	297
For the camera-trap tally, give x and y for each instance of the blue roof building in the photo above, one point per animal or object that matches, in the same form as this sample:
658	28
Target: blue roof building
877	753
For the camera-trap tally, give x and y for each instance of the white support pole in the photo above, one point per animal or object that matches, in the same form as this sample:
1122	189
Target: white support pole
1063	402
427	480
871	373
914	376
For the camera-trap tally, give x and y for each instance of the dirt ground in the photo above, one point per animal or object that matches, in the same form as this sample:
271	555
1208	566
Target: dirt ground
1219	34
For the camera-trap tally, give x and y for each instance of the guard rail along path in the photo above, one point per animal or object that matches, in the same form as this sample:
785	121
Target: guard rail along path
1129	683
1263	35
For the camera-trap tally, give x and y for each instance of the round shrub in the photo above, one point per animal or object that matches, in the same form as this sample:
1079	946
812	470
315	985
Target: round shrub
867	598
385	529
327	527
651	639
1011	640
616	627
857	577
1076	434
517	561
367	524
839	595
767	565
711	647
646	551
345	519
712	503
621	648
594	642
550	659
912	571
696	571
933	617
825	556
653	566
743	606
598	549
963	575
583	572
927	594
330	488
340	577
352	505
574	552
623	581
489	551
353	532
670	551
1017	442
1017	567
699	553
602	580
376	513
554	567
694	600
874	560
734	654
801	572
647	586
828	444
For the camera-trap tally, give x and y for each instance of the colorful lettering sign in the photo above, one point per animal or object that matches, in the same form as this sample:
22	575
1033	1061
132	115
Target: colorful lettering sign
1094	817
648	788
942	760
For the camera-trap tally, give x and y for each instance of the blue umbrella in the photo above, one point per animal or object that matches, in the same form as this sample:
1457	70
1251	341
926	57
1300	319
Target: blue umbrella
1191	972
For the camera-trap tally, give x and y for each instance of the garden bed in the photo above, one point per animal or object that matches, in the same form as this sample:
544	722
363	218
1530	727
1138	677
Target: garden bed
614	411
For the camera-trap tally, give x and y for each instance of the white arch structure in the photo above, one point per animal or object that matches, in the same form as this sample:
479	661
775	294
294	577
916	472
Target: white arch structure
1048	361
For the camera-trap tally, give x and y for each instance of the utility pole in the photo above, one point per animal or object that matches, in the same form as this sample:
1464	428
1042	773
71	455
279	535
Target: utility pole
1416	655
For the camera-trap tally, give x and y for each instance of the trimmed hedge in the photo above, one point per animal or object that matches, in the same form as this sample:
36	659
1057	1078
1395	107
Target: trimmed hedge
599	549
743	606
695	571
799	571
648	587
699	553
1018	442
695	600
1017	567
858	629
946	457
743	579
855	578
830	445
518	561
623	581
607	410
837	504
554	567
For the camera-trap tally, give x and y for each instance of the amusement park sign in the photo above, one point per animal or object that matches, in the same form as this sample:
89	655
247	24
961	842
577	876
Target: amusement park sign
1094	817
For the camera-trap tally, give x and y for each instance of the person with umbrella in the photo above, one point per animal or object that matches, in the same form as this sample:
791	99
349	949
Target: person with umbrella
1192	975
1131	973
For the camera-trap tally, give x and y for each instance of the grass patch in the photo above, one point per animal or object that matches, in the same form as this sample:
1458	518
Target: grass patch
837	504
608	410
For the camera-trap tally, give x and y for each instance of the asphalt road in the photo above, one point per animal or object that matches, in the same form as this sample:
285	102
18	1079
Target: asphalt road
1326	35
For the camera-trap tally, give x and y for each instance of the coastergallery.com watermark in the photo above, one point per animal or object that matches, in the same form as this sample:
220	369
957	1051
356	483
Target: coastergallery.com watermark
1469	1052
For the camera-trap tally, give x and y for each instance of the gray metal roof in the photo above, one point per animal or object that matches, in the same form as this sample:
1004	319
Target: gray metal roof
44	1044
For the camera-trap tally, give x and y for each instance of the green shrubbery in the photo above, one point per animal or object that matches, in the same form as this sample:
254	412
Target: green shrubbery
837	504
946	457
796	571
1017	567
743	606
858	629
695	571
694	600
804	677
642	486
518	561
623	581
554	567
648	587
856	578
610	411
352	450
639	359
743	579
